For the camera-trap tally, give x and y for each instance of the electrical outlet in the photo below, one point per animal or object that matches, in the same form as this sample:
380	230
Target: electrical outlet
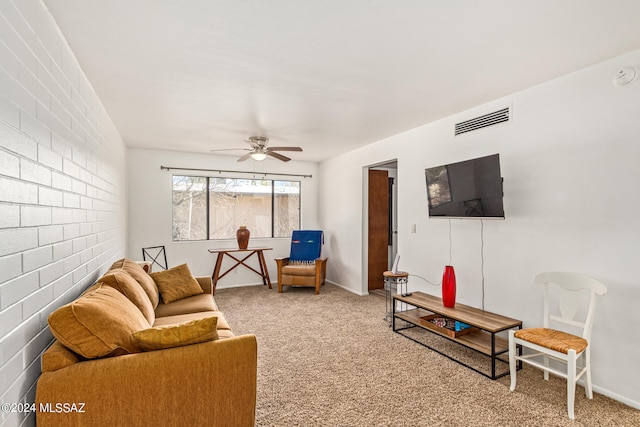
413	228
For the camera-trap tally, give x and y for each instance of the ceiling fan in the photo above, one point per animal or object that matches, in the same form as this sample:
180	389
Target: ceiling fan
259	150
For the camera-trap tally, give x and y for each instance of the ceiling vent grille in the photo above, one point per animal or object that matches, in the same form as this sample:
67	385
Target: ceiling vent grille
487	120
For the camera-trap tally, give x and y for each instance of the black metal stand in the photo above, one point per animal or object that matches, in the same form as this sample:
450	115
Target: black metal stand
156	255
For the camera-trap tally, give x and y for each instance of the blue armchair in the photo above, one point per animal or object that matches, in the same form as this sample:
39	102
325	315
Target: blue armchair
303	266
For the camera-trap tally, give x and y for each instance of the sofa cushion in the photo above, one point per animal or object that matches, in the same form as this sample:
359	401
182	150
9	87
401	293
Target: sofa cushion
186	333
91	288
176	283
192	304
141	276
119	279
180	318
100	323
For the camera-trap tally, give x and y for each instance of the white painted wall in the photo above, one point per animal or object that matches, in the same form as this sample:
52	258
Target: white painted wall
62	192
150	209
569	160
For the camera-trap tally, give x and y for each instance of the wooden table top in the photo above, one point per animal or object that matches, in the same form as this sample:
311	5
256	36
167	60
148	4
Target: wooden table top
214	251
396	274
473	316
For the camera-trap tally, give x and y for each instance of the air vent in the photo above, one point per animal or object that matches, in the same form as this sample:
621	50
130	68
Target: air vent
487	120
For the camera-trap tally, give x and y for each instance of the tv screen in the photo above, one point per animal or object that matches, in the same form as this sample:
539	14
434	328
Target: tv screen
468	189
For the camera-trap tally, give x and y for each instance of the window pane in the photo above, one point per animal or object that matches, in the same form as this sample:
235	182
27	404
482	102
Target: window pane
189	208
236	202
286	208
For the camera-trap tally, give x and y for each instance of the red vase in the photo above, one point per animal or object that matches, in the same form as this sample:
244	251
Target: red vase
242	234
449	287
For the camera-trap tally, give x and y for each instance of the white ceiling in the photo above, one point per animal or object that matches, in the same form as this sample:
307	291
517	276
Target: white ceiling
329	76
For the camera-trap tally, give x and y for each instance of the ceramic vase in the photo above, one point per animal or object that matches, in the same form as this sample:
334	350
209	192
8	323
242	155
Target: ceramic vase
449	287
242	234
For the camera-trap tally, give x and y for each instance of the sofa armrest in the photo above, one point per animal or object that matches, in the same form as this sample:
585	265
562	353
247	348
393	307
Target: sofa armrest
211	383
206	284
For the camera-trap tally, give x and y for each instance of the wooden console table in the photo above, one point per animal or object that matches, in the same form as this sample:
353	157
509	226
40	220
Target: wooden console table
483	340
264	271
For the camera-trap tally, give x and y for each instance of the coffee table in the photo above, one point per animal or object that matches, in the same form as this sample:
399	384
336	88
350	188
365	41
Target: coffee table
483	340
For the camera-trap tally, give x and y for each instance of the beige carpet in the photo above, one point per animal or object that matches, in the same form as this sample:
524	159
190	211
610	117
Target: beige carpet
332	360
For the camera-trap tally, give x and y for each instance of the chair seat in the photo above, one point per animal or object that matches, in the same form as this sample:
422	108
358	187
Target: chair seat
299	269
555	340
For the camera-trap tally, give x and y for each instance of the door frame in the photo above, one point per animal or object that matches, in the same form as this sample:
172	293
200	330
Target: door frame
392	167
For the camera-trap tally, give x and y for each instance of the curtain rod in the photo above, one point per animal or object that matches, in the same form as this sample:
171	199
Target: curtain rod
168	168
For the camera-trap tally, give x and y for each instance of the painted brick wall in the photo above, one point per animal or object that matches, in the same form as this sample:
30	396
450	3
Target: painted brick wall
62	191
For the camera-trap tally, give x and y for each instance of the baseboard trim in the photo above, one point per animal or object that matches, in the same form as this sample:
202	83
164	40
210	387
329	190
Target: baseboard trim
345	288
242	285
616	396
274	285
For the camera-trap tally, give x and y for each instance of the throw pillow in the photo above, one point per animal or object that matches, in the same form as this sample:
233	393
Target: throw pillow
191	332
99	323
142	277
176	283
119	279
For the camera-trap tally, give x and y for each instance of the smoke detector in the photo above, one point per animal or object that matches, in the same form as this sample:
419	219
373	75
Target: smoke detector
624	76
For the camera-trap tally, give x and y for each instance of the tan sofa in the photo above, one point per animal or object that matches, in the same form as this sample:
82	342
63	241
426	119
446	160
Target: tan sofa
96	374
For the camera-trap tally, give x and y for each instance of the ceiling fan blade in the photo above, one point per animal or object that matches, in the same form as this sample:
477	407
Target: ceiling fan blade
245	157
231	149
278	156
285	148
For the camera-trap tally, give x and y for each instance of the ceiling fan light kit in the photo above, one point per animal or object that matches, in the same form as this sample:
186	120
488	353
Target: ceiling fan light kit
259	150
258	157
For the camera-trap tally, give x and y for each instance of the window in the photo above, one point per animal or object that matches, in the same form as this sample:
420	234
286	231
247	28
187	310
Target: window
213	208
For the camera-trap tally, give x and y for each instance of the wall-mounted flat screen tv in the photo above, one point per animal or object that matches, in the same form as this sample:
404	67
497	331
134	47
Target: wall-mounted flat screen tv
468	189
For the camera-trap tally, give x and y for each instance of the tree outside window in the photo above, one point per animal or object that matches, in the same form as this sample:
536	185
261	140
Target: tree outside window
213	208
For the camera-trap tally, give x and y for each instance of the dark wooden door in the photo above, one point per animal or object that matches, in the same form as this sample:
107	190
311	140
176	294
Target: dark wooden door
378	227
